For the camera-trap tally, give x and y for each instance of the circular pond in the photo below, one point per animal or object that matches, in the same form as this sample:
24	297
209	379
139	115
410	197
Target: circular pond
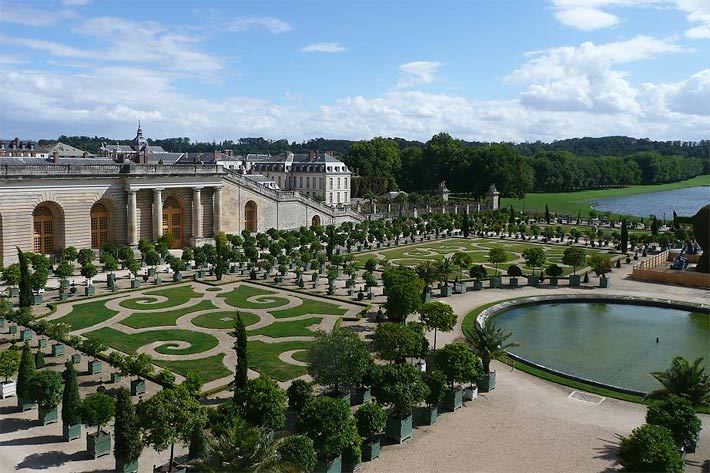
610	343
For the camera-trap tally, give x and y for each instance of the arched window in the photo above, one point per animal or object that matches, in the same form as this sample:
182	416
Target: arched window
172	220
99	225
250	216
315	221
43	230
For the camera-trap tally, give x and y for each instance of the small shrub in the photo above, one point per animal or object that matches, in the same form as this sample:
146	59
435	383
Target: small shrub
650	448
299	393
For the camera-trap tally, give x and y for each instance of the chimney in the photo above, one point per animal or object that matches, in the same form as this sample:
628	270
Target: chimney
328	153
85	154
311	155
55	156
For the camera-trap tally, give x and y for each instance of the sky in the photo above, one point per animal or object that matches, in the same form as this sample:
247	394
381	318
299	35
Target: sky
488	70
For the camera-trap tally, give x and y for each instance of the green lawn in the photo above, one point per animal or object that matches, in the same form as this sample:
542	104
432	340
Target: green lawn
214	319
213	289
176	296
163	319
573	202
288	328
239	295
129	343
301	356
87	314
264	358
209	368
309	306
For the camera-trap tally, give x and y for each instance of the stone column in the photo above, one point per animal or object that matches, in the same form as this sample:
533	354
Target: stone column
217	210
157	212
415	213
197	212
131	219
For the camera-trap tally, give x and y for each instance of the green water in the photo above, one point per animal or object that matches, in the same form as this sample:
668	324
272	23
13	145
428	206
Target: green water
610	343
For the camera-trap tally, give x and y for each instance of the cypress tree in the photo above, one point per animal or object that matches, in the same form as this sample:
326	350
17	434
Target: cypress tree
547	214
26	298
624	236
198	443
127	447
25	373
466	225
70	398
240	346
511	217
654	226
39	359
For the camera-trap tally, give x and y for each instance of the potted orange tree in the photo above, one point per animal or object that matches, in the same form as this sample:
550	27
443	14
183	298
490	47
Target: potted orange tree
488	342
46	391
96	410
371	420
401	387
458	365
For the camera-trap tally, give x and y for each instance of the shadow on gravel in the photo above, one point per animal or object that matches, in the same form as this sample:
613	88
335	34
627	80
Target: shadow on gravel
35	440
13	425
609	452
55	458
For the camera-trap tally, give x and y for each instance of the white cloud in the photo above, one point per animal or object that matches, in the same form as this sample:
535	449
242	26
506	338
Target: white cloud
586	19
75	3
323	48
418	72
582	78
268	23
29	16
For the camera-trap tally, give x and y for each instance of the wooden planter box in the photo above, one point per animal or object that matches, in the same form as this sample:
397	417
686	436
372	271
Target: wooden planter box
13	329
98	446
115	377
574	280
398	429
177	277
360	396
76	358
603	282
533	280
14	292
470	393
177	468
47	416
514	282
488	382
370	450
446	291
157	281
477	285
24	405
427	294
58	349
453	399
42	343
329	466
425	415
553	281
135	284
496	281
2	322
71	432
151	272
8	389
25	335
95	367
37	299
131	467
89	291
137	387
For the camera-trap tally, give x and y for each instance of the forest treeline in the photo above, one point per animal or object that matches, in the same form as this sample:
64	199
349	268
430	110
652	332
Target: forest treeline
469	167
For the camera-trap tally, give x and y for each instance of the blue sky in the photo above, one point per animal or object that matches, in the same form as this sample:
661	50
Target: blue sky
517	70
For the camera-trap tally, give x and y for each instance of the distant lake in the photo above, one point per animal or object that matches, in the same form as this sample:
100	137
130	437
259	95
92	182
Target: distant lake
684	201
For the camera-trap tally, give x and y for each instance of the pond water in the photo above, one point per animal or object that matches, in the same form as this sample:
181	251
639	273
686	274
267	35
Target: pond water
610	343
684	201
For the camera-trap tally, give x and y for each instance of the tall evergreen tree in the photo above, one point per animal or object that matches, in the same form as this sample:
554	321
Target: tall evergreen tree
654	226
198	443
25	373
127	447
511	217
26	298
547	213
240	346
70	398
624	236
466	225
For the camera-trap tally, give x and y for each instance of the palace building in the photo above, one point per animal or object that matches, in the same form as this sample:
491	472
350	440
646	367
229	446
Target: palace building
52	200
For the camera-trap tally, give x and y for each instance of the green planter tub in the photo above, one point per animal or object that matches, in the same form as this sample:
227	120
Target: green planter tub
71	432
487	383
14	292
42	343
496	281
424	415
553	281
135	284
47	416
76	358
398	429
98	445
477	285
38	299
126	467
58	349
453	399
177	277
89	291
137	387
334	465
25	405
359	396
25	335
446	291
95	367
574	280
115	377
533	280
513	282
603	282
370	450
13	329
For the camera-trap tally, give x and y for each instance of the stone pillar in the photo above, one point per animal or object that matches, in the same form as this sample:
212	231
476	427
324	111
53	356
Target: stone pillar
389	208
415	213
157	213
131	219
197	212
468	209
456	209
217	210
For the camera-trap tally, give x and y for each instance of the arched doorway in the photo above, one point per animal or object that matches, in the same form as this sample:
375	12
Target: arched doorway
43	230
99	225
172	220
315	221
250	216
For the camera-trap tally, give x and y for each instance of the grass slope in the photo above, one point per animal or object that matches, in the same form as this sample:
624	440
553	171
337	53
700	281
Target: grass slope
288	328
573	202
176	296
209	368
214	319
264	358
309	306
87	314
238	296
163	319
